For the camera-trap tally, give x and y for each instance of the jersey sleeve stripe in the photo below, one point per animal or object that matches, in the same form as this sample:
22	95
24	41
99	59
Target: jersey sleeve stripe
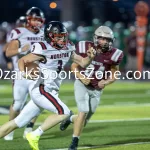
42	45
18	31
116	55
82	47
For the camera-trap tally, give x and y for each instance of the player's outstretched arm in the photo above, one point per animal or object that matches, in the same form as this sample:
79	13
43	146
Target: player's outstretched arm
14	49
84	62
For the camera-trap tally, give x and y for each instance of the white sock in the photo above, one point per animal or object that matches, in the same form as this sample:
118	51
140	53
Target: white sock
38	131
76	136
71	118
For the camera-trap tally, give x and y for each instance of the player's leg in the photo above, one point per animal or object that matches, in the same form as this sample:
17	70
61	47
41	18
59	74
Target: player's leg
82	100
93	103
50	102
30	111
30	125
7	128
20	93
79	97
71	119
13	114
81	120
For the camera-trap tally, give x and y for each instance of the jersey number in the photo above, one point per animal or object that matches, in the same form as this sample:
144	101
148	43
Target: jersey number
90	71
33	48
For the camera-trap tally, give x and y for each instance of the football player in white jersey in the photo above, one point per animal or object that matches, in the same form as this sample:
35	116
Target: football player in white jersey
20	41
20	22
52	54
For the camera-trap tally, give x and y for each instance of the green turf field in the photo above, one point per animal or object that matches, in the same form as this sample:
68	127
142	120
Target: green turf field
122	121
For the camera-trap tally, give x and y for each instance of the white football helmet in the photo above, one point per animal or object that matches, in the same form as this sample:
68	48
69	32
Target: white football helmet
106	33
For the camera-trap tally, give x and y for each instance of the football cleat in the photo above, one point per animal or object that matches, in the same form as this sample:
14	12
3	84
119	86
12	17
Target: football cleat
64	124
33	140
9	137
74	144
27	130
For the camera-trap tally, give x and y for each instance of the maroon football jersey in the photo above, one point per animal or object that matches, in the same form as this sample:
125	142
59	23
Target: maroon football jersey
100	64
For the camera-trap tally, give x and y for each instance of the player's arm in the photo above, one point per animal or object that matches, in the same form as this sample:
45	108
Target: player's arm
84	62
5	47
4	52
113	69
14	48
8	60
35	55
76	71
111	78
27	59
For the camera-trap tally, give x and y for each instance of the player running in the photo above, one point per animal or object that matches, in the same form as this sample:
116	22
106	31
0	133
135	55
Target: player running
52	54
88	88
20	41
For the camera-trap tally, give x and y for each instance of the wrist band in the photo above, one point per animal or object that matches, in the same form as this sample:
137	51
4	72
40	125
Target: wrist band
19	50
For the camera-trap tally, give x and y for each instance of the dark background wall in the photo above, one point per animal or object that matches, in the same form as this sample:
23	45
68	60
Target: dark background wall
75	10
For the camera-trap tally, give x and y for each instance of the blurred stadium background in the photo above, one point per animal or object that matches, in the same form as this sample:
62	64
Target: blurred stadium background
123	118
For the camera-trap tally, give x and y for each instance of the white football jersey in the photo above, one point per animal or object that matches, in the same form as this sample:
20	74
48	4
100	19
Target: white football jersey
54	63
24	36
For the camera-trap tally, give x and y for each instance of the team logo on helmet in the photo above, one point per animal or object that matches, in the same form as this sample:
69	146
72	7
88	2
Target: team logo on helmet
56	34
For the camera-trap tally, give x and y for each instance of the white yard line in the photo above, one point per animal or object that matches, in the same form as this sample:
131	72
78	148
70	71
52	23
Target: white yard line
67	148
119	120
104	146
114	105
104	96
113	120
125	104
123	96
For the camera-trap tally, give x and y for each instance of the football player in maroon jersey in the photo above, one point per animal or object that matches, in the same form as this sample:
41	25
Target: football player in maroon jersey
92	80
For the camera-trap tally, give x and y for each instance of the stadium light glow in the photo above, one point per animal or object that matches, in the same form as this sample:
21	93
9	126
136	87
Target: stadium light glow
53	5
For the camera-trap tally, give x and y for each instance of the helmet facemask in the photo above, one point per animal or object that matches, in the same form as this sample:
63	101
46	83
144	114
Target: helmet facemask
35	26
103	39
104	46
35	18
59	41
